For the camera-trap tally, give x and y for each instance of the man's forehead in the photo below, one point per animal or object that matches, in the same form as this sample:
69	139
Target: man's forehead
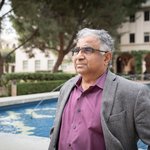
88	40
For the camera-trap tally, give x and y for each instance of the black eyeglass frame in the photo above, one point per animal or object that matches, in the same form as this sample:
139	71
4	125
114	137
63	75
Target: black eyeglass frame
86	50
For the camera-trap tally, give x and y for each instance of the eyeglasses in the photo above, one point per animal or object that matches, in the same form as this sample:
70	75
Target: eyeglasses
85	50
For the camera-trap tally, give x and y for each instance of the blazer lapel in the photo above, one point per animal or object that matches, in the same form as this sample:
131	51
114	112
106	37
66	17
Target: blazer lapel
66	95
111	142
108	95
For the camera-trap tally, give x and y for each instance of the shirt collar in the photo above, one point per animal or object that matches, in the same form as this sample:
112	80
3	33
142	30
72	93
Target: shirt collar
99	82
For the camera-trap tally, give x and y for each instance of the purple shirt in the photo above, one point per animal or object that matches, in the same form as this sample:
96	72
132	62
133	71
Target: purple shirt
81	122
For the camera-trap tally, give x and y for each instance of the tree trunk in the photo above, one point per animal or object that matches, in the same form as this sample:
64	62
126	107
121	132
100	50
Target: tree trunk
60	53
59	61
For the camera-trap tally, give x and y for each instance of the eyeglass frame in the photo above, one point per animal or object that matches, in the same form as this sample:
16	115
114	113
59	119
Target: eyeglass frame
85	51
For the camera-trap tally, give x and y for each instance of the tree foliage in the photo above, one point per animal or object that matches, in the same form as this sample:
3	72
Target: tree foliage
54	23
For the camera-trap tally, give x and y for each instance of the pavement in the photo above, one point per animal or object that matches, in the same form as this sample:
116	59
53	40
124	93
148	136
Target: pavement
22	142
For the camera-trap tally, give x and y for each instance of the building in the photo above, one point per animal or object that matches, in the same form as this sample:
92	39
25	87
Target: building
135	33
30	60
36	60
134	43
7	63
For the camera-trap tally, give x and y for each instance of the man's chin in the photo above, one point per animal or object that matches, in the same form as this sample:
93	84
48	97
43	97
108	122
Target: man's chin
81	72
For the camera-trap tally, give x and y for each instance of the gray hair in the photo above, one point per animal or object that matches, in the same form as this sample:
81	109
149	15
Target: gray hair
107	43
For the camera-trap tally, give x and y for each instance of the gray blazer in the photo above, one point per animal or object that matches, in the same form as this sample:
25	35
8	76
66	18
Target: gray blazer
125	113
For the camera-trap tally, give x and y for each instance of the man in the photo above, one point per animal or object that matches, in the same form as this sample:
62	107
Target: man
98	110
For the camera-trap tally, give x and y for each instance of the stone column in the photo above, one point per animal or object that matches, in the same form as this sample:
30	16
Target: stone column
13	88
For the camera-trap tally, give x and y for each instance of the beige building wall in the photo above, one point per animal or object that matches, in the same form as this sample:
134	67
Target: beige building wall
40	62
138	27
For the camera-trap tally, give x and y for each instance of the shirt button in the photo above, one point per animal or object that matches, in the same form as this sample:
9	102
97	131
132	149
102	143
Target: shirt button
74	127
78	110
69	145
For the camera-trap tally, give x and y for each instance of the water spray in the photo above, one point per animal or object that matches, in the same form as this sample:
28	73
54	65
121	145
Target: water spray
55	89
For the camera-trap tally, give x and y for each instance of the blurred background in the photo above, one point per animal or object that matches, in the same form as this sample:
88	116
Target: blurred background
36	38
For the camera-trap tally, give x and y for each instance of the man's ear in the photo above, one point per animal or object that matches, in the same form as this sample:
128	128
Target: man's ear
108	57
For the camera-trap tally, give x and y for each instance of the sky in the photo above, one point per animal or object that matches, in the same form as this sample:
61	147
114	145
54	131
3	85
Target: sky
8	32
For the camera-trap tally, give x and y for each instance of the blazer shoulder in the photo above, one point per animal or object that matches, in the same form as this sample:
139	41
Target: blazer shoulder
71	82
130	83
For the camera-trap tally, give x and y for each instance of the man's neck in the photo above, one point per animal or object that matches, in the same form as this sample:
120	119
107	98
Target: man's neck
88	81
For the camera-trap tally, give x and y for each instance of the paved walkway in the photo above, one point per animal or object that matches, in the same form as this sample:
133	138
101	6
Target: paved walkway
22	142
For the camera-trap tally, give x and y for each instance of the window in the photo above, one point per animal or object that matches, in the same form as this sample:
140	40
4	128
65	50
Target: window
25	65
132	18
146	15
132	38
50	64
37	65
147	37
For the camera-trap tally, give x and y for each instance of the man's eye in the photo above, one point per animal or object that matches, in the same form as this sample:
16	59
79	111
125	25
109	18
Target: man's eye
88	49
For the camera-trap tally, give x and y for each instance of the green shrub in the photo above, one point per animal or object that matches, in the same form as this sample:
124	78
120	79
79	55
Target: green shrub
39	87
32	77
30	83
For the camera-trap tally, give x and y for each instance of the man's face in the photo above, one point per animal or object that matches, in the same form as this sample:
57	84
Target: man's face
94	63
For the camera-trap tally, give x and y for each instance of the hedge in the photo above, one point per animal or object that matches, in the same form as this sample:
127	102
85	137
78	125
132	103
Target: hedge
30	83
37	76
39	87
33	77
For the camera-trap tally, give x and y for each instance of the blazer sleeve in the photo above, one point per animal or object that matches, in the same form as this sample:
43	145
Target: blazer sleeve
142	115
